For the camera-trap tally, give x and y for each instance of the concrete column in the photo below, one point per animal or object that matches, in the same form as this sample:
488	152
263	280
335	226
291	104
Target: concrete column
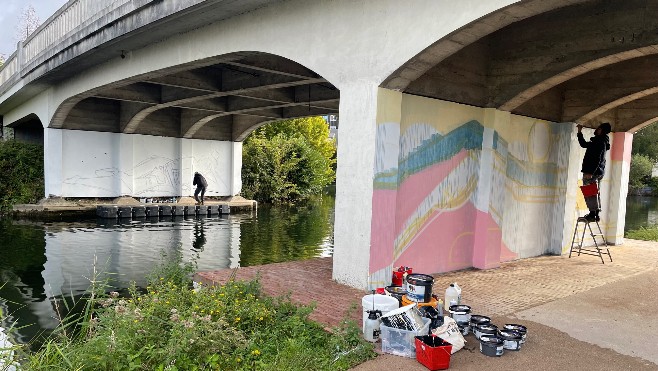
354	183
187	167
52	161
125	163
487	244
236	168
572	162
617	174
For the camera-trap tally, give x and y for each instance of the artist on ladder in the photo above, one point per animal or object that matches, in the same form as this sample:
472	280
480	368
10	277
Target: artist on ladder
594	165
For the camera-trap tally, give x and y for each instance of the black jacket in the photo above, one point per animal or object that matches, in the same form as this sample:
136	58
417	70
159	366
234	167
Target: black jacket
594	160
199	181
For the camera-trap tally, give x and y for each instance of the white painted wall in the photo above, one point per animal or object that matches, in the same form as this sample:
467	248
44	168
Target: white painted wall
97	164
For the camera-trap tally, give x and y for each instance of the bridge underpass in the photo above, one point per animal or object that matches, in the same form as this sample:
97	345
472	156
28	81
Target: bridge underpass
457	134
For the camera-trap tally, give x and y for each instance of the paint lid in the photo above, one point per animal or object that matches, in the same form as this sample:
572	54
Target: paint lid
396	290
487	328
419	278
520	328
510	335
477	319
460	309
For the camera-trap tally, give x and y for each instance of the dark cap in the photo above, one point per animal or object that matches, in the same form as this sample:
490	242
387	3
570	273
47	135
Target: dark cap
605	127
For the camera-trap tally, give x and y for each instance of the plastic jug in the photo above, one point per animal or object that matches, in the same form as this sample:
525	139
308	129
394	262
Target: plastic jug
452	297
371	326
459	291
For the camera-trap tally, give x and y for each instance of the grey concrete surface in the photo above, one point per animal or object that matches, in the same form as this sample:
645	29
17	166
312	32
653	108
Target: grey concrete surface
621	316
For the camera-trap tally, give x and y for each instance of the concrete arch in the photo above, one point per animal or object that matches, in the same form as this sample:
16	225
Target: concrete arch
434	54
528	59
192	101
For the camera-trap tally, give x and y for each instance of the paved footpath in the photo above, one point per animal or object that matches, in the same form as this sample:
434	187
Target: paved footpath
580	314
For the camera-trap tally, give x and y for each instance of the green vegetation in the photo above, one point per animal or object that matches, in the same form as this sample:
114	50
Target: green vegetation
645	156
640	171
644	233
175	327
288	161
645	142
21	166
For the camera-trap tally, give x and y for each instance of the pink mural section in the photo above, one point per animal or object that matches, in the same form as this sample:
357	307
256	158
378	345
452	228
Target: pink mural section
622	144
383	236
418	186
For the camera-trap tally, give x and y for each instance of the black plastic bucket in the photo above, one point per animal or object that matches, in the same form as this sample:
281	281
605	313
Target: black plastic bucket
419	287
477	319
396	292
519	328
491	346
461	313
485	329
511	339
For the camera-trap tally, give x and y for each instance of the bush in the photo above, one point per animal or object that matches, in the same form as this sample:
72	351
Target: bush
283	170
21	166
644	233
288	161
174	326
640	171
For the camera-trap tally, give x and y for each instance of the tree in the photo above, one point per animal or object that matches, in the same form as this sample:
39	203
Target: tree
288	161
645	142
28	22
640	171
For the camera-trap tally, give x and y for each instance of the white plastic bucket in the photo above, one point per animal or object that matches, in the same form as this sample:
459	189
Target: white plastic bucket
384	303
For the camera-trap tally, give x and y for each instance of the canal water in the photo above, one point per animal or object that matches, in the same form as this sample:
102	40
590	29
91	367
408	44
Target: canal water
44	261
641	211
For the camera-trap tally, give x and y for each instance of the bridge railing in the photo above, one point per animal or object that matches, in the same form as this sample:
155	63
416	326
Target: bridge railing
9	69
74	15
71	23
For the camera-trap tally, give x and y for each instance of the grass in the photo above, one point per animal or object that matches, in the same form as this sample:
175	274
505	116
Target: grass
173	326
644	233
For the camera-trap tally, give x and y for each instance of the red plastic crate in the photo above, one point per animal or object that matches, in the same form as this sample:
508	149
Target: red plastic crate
590	190
433	352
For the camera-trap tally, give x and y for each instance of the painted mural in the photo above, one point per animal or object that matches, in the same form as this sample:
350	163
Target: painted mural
110	164
458	186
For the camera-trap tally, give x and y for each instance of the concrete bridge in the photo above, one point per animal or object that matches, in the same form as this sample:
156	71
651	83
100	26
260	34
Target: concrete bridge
457	146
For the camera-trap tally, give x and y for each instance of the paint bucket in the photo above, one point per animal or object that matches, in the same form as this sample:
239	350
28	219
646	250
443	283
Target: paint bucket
485	329
461	313
590	190
511	339
396	291
464	327
399	274
477	319
519	328
419	287
491	346
384	303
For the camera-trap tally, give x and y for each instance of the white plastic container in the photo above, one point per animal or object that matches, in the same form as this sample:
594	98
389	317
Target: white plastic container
402	342
452	297
384	303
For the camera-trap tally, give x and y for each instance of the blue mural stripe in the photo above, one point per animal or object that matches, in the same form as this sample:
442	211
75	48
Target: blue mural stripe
439	148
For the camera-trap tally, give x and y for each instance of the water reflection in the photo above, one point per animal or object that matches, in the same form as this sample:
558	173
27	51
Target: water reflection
641	212
40	262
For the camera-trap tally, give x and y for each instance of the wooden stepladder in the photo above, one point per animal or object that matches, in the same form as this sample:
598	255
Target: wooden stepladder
577	243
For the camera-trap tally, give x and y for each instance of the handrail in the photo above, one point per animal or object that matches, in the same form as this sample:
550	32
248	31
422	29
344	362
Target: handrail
71	17
9	69
73	14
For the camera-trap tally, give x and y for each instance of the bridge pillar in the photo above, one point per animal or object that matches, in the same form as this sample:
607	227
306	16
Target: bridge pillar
354	183
52	161
617	174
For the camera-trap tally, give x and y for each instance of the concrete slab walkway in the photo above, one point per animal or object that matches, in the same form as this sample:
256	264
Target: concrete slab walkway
581	314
